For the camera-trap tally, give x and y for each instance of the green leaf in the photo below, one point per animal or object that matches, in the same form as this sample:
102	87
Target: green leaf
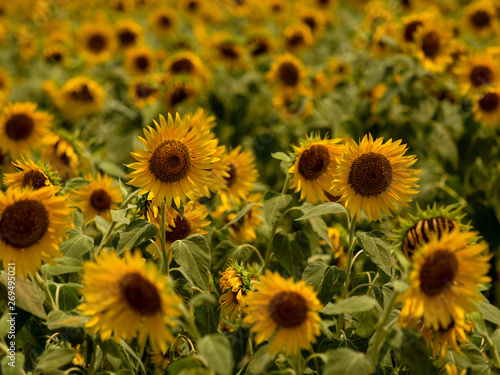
206	315
346	361
28	296
120	216
185	365
319	226
13	366
477	320
53	359
193	255
377	249
282	156
411	349
274	205
240	214
136	233
350	305
69	296
288	252
75	183
326	280
323	209
101	224
490	313
365	322
227	250
77	246
111	169
217	352
260	360
64	265
57	319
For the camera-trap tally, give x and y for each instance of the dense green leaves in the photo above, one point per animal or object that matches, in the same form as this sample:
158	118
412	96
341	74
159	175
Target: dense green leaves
136	233
77	245
217	352
346	361
193	255
326	280
323	209
274	205
291	251
350	305
377	249
27	296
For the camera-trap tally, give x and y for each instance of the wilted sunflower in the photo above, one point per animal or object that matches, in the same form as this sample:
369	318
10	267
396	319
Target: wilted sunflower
30	175
163	21
374	177
98	197
477	71
444	282
297	38
481	18
287	74
142	92
61	154
315	167
487	107
433	46
291	308
234	283
32	226
22	127
189	64
176	164
127	296
96	42
140	60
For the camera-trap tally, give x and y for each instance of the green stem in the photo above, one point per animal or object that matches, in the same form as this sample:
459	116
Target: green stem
163	238
493	350
191	328
43	285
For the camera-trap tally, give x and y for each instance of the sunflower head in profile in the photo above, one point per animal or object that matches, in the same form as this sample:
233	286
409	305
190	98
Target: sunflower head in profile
22	126
163	21
61	152
30	175
235	281
287	74
314	19
176	163
288	307
487	107
314	168
142	92
33	224
374	176
96	42
481	18
127	298
433	46
128	33
297	38
445	280
475	72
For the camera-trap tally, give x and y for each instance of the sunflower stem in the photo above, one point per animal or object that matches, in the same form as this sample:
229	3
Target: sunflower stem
191	328
48	296
105	237
493	350
163	238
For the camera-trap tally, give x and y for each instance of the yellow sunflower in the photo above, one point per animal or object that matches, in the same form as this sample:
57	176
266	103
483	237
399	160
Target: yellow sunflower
444	282
140	60
451	369
433	46
55	53
293	107
128	33
243	231
176	164
337	249
287	75
161	359
96	42
384	41
189	64
22	126
314	19
29	175
163	21
242	176
477	71
225	49
297	38
410	25
142	92
291	308
259	44
374	177
487	107
481	18
234	283
181	91
32	226
61	154
128	297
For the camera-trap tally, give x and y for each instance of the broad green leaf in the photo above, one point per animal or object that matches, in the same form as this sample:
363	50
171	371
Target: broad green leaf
193	255
101	224
57	319
136	233
377	249
350	305
206	315
13	366
75	183
490	313
274	205
289	253
217	352
64	265
260	360
281	156
346	361
111	169
186	365
69	296
227	250
319	226
479	326
412	350
53	359
365	322
240	214
323	209
28	296
120	216
77	246
326	280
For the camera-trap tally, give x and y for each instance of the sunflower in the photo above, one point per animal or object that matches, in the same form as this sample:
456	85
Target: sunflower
242	176
314	19
287	75
451	369
5	84
374	177
191	8
433	46
142	92
234	283
314	168
61	154
282	304
223	48
384	43
481	18
337	249
22	126
128	33
30	175
337	69
293	107
162	358
32	226
163	21
189	64
477	71
410	25
126	297
122	6
243	231
181	91
176	164
140	60
444	282
96	42
487	107
259	44
26	41
297	38
55	53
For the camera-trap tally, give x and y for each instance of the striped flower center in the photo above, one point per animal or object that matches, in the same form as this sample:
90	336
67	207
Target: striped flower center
288	309
370	174
180	230
34	178
170	161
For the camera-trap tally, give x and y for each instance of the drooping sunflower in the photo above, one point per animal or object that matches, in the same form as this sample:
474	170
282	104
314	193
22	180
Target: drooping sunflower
30	175
375	177
287	75
481	18
22	126
96	42
128	33
182	91
487	107
314	168
297	38
98	197
189	64
234	283
476	72
163	21
176	163
444	282
433	46
337	249
33	224
140	60
291	308
127	298
61	154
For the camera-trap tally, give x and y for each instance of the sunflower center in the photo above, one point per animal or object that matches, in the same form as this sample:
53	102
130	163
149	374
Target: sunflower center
314	161
489	102
24	223
438	272
288	309
34	178
127	38
311	22
228	51
143	91
431	44
481	75
82	94
410	30
100	200
288	74
193	6
295	40
370	174
141	294
179	94
142	63
54	57
164	22
181	230
170	161
261	47
19	126
97	43
480	19
183	65
231	179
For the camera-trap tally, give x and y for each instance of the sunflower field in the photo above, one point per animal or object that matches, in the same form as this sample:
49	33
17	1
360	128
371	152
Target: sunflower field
245	187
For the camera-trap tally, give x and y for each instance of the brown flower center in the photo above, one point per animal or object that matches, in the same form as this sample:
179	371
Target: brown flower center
164	22
181	230
34	178
82	94
481	75
370	174
193	6
127	38
54	57
142	91
480	19
142	63
261	46
19	126
183	65
431	44
295	40
229	51
97	43
170	161
24	223
410	30
311	22
438	272
314	161
178	95
140	293
288	74
231	179
100	200
489	102
288	309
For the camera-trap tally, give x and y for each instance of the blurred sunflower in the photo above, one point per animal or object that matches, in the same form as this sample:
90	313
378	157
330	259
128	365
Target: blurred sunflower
126	297
96	42
293	107
235	281
314	168
291	308
61	154
297	38
287	75
451	369
142	92
162	358
433	46
337	248
5	85
481	18
176	163
30	175
410	25
314	19
32	226
374	177
189	64
444	282
22	127
487	107
98	197
128	33
122	6
243	231
384	38
56	53
259	44
140	60
337	69
477	71
26	42
163	21
191	8
223	48
180	92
